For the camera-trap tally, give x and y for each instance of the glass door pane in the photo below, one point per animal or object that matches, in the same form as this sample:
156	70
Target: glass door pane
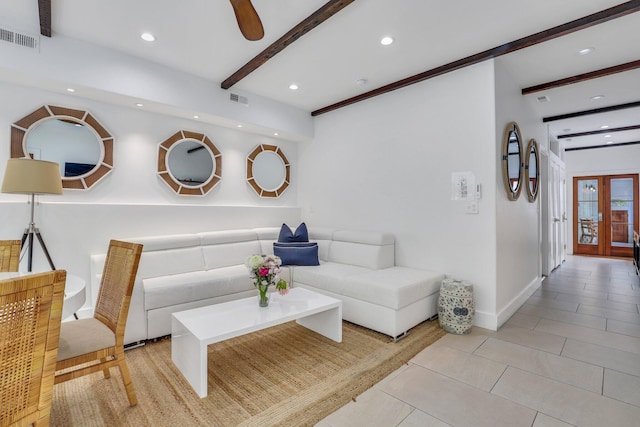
621	212
588	214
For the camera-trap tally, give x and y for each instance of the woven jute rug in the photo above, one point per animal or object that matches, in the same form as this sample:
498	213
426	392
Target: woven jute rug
285	375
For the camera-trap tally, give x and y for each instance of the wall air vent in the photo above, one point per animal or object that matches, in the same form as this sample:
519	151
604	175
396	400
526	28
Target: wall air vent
21	39
239	99
543	98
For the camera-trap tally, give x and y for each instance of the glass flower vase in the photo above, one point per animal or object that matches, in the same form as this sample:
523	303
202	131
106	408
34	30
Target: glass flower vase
263	295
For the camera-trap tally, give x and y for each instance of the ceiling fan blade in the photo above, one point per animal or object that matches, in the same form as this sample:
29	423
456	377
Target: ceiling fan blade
248	19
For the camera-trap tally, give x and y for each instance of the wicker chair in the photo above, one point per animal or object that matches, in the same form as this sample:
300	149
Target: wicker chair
97	344
10	255
30	315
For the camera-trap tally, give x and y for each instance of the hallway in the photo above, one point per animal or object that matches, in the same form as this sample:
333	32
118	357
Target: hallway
569	356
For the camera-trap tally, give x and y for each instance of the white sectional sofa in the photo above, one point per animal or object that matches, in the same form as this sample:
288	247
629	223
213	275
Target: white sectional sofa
179	272
183	271
359	268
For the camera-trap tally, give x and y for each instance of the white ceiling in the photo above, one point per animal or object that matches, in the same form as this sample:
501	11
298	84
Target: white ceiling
201	37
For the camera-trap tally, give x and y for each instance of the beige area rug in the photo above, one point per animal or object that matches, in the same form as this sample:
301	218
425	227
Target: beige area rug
285	375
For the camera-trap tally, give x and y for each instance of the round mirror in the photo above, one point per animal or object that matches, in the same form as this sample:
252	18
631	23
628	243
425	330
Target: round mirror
189	163
72	138
512	161
532	170
268	171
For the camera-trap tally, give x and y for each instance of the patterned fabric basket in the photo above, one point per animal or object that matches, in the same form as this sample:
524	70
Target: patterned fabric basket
456	306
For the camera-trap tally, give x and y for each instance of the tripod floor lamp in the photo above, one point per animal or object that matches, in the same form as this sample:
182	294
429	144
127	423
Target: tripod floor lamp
27	176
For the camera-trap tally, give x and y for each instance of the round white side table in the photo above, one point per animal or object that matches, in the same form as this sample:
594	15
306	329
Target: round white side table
75	292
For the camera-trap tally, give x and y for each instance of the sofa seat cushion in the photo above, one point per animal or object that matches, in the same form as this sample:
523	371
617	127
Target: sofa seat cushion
330	276
394	287
181	288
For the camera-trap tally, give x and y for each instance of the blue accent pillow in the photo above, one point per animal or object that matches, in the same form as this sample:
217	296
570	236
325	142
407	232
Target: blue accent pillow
301	253
288	236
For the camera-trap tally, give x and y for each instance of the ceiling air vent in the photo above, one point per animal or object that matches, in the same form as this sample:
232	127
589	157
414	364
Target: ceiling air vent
239	99
21	39
543	98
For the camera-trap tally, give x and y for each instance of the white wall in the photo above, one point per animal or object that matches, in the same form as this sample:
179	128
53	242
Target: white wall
599	161
518	230
118	78
132	201
386	164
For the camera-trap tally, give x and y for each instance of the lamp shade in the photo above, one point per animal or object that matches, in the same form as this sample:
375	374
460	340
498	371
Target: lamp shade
27	176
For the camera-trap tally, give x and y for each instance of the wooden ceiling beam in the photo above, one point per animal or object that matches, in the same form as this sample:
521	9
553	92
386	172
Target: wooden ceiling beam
316	18
589	112
44	10
583	77
599	131
600	17
592	147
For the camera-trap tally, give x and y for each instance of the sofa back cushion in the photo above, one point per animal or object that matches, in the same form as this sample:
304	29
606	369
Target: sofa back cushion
323	237
171	254
362	248
230	247
267	236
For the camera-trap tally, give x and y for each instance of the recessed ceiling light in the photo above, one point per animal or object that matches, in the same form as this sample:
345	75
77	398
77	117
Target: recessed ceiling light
294	86
139	104
586	51
275	134
607	136
597	97
609	142
604	127
239	126
70	89
148	37
361	82
386	41
196	117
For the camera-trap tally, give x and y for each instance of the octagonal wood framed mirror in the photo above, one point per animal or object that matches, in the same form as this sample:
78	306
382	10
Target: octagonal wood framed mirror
512	164
189	163
73	138
268	171
532	170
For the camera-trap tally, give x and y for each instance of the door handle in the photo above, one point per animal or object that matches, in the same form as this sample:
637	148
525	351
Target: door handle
556	219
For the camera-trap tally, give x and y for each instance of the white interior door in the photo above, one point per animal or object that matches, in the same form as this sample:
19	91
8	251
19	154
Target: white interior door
554	217
564	220
547	219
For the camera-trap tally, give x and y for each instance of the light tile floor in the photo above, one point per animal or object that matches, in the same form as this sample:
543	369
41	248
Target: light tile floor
570	356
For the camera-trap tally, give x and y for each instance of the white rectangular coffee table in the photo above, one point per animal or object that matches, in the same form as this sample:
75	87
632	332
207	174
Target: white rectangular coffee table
193	330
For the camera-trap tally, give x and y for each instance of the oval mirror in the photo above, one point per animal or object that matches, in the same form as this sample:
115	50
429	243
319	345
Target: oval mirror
189	163
268	171
69	143
532	170
512	161
72	138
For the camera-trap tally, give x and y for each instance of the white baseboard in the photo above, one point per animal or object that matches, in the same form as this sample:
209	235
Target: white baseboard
494	321
513	306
